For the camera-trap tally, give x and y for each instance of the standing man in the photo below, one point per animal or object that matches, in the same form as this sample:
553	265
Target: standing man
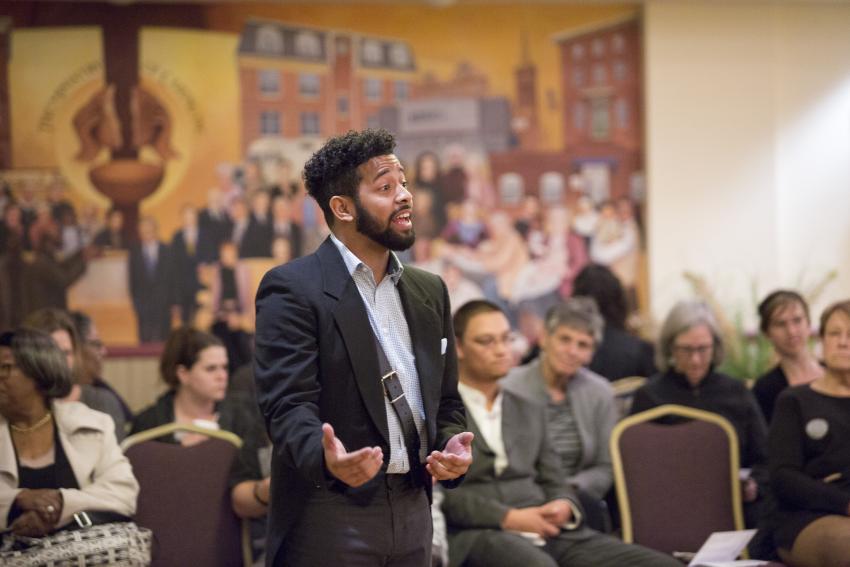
356	446
515	507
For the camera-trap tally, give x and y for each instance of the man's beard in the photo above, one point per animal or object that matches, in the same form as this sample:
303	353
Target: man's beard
369	225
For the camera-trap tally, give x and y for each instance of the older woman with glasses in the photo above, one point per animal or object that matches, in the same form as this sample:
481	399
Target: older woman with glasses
56	458
689	349
810	456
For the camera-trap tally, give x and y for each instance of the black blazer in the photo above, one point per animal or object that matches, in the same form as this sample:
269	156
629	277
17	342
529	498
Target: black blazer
316	362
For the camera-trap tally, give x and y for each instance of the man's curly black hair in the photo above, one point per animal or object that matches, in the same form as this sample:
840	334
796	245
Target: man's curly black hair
333	169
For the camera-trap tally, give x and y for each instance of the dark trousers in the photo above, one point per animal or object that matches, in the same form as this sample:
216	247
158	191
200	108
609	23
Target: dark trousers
502	549
393	530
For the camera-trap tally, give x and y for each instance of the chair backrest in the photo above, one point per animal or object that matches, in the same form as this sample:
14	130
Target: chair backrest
679	482
184	497
624	392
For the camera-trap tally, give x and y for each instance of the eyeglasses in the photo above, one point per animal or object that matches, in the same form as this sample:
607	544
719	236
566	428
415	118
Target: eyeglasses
688	350
489	341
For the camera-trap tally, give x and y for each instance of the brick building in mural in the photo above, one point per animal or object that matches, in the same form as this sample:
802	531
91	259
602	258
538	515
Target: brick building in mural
458	111
299	82
602	105
602	121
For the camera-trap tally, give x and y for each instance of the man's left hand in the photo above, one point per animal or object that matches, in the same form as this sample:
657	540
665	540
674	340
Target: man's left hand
454	460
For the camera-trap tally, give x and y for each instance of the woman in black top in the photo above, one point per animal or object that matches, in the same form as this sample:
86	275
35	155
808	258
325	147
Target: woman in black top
785	322
689	348
810	456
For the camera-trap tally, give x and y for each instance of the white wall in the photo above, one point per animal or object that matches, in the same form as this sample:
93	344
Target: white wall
748	149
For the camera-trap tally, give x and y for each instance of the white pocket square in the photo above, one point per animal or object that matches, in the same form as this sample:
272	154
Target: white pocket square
444	342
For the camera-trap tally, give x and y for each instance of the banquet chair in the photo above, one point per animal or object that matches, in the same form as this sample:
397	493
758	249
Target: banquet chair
184	497
676	483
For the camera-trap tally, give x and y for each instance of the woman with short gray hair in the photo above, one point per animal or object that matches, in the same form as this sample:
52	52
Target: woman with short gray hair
689	350
579	403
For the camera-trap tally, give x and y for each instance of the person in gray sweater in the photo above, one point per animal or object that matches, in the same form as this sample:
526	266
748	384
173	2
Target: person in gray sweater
579	403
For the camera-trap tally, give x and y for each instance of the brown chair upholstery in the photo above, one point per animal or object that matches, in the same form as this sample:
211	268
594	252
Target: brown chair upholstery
184	497
676	483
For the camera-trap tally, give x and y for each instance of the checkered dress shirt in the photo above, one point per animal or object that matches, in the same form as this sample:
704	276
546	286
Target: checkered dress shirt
386	316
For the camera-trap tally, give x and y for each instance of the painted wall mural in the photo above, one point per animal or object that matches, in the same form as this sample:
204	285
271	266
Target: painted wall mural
154	168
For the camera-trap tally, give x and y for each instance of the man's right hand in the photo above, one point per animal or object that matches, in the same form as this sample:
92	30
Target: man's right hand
531	519
355	468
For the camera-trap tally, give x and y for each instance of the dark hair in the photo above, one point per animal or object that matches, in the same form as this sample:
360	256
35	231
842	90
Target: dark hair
183	348
40	360
842	306
332	170
600	283
50	320
470	309
83	325
777	300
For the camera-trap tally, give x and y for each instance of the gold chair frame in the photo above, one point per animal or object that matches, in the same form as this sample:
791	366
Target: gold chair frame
681	411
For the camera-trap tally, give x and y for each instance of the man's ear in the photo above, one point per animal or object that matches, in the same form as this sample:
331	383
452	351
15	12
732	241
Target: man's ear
342	208
458	349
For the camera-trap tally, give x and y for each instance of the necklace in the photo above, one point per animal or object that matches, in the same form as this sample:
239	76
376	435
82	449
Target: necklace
32	427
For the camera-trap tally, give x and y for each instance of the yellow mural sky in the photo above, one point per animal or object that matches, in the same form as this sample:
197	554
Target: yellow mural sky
489	36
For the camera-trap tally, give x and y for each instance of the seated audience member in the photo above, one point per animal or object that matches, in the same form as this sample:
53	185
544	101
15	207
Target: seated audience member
579	404
194	366
58	458
689	349
250	476
514	506
785	322
620	354
810	456
60	327
92	353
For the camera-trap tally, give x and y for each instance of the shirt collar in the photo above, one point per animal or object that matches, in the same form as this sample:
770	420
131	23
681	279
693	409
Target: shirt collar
353	263
477	398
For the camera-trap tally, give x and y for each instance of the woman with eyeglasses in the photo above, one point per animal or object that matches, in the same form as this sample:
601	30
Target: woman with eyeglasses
810	456
689	350
56	458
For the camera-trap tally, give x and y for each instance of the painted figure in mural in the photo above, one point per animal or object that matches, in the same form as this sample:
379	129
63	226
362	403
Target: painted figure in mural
185	251
149	268
355	456
284	226
112	236
215	224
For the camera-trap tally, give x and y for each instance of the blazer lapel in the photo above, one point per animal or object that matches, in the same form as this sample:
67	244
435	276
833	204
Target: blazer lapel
353	324
425	335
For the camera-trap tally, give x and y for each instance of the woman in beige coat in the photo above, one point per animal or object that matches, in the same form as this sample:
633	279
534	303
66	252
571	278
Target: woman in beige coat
56	458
